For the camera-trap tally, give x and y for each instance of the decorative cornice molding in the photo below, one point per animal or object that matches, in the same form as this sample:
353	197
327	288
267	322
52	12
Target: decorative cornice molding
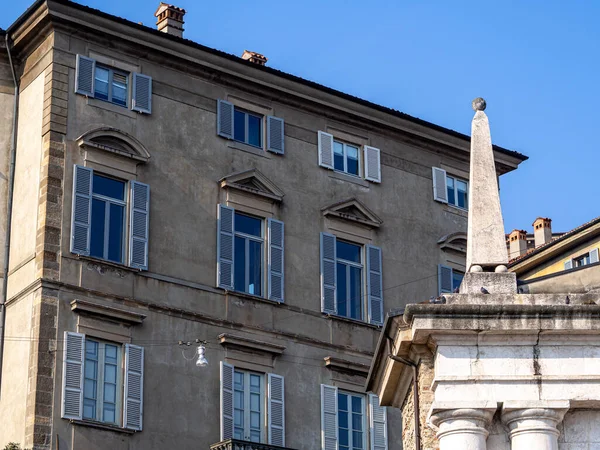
343	365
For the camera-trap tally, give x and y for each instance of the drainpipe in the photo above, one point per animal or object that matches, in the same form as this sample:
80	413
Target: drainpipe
11	182
416	408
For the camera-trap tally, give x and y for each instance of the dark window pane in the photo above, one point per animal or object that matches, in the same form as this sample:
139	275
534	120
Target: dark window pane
97	231
255	269
342	304
239	274
357	440
451	196
119	89
248	225
355	294
348	252
357	405
115	233
109	187
352	156
239	126
357	422
344	436
461	189
254	132
338	156
101	83
342	402
343	419
456	279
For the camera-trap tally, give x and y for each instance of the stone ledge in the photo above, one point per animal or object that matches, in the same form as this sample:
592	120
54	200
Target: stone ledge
102	426
119	315
343	365
250	345
588	299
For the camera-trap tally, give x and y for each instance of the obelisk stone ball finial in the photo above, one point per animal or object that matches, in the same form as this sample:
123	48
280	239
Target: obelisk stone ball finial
479	104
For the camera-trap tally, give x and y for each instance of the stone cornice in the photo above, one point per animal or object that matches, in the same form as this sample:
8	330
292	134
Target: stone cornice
109	312
250	345
343	365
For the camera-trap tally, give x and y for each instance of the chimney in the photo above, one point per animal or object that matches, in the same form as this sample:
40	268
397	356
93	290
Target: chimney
255	58
169	19
542	231
518	243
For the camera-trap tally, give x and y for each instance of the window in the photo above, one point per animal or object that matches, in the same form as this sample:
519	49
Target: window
351	421
458	191
99	214
252	406
348	422
449	279
111	85
102	381
248	408
108	218
590	257
349	269
345	158
250	250
247	128
345	290
249	242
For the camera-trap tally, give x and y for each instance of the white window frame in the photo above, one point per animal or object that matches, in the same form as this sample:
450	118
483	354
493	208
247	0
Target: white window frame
364	411
246	127
361	266
100	381
108	201
585	258
247	238
111	72
246	395
345	156
455	179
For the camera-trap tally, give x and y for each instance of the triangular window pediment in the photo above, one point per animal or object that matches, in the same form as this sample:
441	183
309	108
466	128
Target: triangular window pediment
253	182
354	211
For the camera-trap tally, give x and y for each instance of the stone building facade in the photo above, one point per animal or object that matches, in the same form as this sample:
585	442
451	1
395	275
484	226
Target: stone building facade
168	192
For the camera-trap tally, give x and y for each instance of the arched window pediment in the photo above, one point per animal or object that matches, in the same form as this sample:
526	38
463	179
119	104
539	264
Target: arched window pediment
115	141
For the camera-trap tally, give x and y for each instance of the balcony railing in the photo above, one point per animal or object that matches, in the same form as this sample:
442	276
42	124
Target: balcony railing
236	444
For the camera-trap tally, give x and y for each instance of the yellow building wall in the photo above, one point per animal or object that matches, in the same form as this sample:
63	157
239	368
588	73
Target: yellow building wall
558	264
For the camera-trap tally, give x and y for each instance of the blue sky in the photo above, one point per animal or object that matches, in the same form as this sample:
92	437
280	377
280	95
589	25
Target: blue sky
536	63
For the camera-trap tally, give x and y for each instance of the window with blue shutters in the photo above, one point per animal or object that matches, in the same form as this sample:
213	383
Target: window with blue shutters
351	280
243	240
113	85
110	218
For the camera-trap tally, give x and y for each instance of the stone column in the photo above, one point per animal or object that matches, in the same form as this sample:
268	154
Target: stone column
533	425
462	428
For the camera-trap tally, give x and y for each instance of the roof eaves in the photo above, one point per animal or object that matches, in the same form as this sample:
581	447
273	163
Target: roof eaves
521	157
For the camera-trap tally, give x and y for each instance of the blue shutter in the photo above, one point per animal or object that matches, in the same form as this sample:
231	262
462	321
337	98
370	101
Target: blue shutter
138	225
378	424
276	260
329	417
325	143
568	264
275	135
141	93
134	387
225	243
374	285
444	279
72	387
328	274
276	411
81	214
372	159
440	191
225	113
593	256
85	72
226	401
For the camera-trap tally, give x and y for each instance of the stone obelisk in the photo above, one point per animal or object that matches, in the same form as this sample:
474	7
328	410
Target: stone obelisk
487	256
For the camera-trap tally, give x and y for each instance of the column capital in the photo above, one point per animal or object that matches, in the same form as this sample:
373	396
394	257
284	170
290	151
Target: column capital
458	424
534	422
